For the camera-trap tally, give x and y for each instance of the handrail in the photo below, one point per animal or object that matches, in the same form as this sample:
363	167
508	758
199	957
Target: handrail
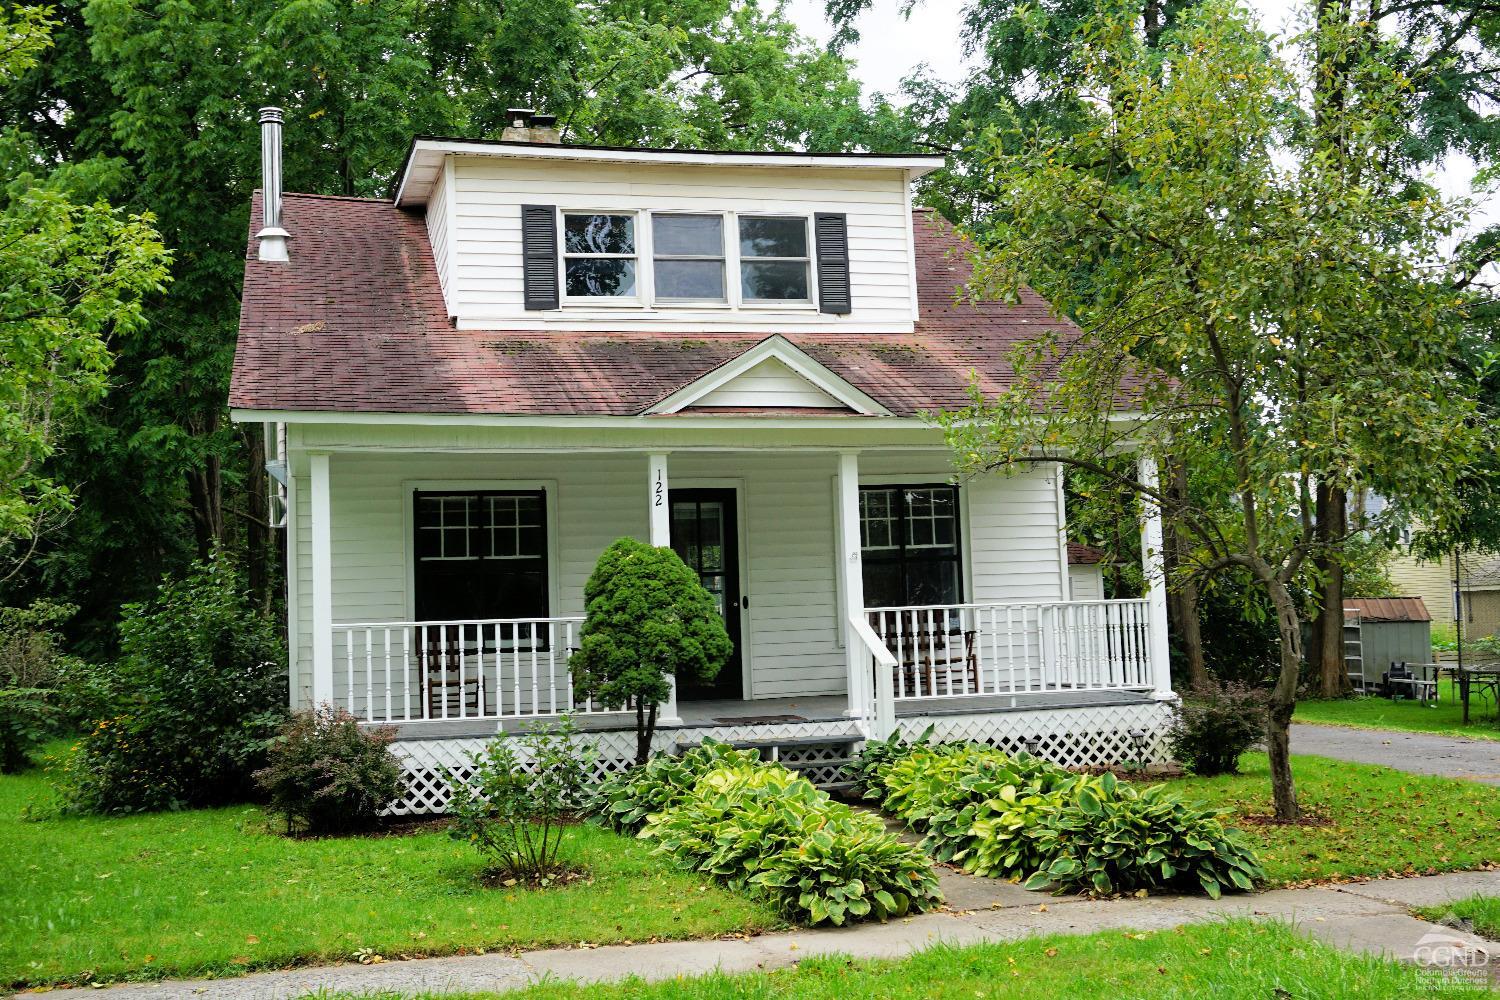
459	621
879	710
883	656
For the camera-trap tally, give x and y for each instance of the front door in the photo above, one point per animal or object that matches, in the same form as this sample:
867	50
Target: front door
705	536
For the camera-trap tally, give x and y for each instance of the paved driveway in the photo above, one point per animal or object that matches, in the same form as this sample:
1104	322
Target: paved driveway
1419	753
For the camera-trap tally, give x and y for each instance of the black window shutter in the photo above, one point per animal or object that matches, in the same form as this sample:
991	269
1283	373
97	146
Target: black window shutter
832	230
539	255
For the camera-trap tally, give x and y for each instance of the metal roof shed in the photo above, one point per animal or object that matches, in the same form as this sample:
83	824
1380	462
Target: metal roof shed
1391	630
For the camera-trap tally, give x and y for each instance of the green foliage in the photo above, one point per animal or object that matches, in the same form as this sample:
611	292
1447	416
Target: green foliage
625	800
978	807
1214	724
1112	837
759	826
197	697
32	668
512	799
876	757
647	618
324	774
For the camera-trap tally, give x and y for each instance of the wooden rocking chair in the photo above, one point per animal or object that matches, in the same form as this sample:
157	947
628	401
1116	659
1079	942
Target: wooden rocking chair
933	655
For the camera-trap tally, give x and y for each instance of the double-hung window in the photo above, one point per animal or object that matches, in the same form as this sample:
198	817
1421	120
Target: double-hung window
775	265
480	554
909	545
688	257
599	255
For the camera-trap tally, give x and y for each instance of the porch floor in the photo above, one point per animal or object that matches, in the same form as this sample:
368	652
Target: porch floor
773	711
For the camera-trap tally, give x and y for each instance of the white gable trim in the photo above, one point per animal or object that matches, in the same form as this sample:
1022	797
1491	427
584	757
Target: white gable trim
783	350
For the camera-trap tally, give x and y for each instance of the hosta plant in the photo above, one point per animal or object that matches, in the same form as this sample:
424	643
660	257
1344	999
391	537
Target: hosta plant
758	826
625	800
1112	837
869	766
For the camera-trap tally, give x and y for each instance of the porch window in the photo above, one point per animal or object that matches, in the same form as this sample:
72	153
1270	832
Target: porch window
480	555
599	256
909	545
774	262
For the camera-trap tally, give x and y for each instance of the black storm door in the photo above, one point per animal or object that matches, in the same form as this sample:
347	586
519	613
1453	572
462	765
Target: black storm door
706	537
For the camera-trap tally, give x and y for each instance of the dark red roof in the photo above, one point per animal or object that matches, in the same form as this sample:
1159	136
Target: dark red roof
356	322
1389	609
1080	554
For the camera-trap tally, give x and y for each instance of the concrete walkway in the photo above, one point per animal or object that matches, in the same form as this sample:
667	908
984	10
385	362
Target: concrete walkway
1417	753
1368	917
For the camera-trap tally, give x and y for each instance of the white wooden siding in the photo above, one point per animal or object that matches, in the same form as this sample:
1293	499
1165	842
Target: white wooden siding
486	238
791	630
439	210
770	383
1087	583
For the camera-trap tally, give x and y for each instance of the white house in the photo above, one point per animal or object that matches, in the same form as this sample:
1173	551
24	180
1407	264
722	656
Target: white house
472	387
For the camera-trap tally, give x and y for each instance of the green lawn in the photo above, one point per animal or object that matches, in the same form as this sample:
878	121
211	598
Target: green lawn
1446	717
1230	961
1483	910
211	892
1378	821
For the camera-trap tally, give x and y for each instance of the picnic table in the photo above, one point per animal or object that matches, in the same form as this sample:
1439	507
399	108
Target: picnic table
1481	677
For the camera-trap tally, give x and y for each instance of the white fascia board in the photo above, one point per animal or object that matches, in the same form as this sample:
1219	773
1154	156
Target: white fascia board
783	350
425	150
521	420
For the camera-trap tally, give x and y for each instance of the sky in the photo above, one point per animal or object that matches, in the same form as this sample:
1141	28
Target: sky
891	46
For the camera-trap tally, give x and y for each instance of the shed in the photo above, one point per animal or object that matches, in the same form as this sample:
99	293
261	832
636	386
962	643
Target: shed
1085	572
1386	630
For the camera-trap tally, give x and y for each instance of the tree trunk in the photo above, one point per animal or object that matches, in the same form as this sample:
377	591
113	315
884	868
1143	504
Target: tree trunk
1182	593
645	729
1283	701
1328	648
258	524
206	490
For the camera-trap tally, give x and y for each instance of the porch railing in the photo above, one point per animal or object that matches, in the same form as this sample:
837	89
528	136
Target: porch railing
977	650
511	668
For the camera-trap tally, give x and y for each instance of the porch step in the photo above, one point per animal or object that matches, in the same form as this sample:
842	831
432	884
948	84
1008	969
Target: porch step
772	749
797	741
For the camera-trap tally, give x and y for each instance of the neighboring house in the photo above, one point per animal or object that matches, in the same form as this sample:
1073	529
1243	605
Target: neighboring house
1474	578
1085	572
474	386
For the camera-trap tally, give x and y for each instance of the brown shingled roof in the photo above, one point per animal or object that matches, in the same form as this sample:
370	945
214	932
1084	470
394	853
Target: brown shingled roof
1388	609
1080	554
357	323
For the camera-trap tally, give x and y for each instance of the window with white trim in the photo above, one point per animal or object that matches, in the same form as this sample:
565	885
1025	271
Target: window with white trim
688	257
480	554
775	263
909	545
599	255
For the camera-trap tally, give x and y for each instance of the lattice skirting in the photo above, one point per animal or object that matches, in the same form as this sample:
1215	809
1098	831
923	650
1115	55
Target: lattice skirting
1084	736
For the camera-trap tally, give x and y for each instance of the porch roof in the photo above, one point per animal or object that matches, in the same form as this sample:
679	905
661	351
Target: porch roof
356	322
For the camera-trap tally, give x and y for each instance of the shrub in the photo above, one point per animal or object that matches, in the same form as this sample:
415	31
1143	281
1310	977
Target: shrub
32	666
1110	837
197	696
1213	725
978	807
627	799
759	826
514	801
647	617
327	775
868	768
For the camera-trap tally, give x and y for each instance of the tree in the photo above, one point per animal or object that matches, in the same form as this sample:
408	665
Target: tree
647	619
1242	292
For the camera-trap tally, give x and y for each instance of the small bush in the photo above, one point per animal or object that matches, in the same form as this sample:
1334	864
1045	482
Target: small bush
196	698
327	775
514	801
1213	725
626	800
759	826
877	757
1111	837
32	667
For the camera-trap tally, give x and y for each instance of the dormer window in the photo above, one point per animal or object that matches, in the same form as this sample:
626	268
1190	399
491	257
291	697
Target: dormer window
688	257
774	261
599	256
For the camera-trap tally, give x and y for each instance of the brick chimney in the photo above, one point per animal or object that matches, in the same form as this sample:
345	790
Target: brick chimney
525	125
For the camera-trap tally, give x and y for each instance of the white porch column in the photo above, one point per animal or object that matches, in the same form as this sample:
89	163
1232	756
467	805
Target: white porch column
659	508
1153	563
852	584
321	538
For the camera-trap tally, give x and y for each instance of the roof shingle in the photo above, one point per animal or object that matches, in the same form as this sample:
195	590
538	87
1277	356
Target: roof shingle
357	323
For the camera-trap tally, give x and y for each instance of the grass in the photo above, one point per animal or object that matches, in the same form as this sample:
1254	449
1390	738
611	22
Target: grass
212	892
1236	960
1444	718
1484	911
1373	821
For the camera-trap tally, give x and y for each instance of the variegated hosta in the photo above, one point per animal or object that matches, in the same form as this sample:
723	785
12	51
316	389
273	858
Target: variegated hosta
758	826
